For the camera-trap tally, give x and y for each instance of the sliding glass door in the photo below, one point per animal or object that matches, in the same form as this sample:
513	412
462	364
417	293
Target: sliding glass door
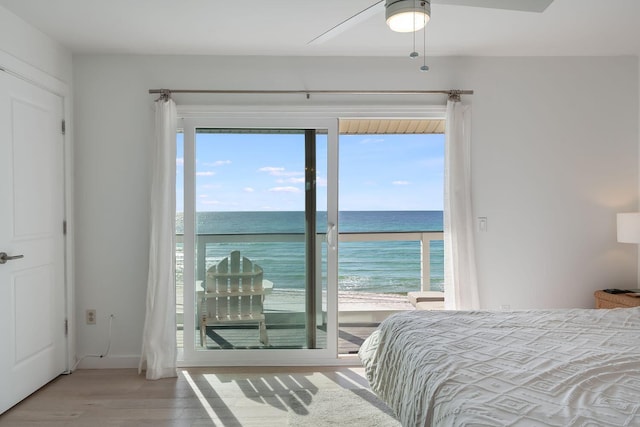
257	265
259	248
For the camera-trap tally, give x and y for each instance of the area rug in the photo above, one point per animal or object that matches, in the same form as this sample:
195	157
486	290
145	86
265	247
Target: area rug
339	407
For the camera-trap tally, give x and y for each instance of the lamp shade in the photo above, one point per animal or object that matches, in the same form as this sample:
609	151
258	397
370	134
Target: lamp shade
628	227
405	16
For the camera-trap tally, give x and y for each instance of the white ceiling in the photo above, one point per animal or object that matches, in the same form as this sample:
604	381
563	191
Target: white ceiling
284	27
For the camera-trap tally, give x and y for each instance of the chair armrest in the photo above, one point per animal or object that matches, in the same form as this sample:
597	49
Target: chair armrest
201	303
267	286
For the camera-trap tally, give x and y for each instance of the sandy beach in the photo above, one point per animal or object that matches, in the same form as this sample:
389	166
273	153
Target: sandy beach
348	301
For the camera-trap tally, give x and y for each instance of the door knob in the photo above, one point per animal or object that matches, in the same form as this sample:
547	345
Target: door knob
4	257
331	236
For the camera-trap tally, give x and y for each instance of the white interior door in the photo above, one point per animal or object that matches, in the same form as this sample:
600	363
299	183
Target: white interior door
32	289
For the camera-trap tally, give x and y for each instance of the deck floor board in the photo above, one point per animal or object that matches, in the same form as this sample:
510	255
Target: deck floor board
350	337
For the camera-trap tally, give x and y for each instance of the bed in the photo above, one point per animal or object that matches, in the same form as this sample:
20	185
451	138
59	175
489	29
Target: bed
573	367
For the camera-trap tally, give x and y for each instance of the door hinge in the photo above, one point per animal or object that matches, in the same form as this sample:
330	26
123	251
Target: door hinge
66	327
64	228
64	127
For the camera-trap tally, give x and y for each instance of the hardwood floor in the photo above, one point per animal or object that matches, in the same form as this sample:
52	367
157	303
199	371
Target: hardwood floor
198	397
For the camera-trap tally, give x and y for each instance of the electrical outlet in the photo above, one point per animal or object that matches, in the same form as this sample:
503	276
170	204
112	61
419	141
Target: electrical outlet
91	316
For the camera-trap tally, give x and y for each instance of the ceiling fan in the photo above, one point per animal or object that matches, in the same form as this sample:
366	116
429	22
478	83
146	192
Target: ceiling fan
394	8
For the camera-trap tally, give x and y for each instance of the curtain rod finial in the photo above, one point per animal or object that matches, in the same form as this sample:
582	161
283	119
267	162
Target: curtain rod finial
454	95
165	95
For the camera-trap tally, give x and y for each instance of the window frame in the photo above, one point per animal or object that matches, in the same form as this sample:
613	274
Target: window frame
298	117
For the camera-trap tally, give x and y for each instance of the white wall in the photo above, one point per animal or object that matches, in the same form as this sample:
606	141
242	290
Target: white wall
29	45
555	156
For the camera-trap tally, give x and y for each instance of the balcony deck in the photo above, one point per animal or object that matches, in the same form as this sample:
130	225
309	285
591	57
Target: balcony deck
350	337
359	315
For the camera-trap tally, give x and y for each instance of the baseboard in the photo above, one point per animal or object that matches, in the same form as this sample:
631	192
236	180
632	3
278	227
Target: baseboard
131	362
109	362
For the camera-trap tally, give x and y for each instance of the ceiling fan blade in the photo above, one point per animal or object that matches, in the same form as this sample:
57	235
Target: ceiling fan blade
522	5
378	7
363	15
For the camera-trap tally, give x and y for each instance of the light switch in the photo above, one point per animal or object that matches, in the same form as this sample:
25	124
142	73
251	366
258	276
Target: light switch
482	224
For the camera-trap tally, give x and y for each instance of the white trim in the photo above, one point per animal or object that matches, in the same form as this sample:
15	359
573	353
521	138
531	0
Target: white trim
332	252
275	358
109	362
189	244
70	236
301	111
37	77
131	362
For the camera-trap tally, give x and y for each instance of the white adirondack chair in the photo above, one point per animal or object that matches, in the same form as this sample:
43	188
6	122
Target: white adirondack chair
234	292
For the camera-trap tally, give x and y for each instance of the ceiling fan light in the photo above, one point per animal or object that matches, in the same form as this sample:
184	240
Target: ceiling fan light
405	16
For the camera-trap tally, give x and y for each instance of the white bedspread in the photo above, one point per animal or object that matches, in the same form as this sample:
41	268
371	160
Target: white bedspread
521	368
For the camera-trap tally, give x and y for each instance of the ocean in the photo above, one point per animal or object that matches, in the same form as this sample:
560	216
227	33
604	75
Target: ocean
379	267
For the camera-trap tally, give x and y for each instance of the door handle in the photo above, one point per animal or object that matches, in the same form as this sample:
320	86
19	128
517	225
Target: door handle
4	257
331	235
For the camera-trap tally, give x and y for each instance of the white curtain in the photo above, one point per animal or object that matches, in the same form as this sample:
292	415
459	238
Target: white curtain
460	282
159	338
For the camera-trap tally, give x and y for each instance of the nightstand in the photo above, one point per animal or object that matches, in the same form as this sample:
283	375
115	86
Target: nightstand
605	300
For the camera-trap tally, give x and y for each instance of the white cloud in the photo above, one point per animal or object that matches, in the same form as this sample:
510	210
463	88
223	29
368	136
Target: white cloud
210	186
205	173
271	170
278	171
285	190
217	163
217	203
401	183
291	180
248	190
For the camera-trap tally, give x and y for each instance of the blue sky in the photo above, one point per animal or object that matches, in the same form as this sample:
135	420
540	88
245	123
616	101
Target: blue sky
257	172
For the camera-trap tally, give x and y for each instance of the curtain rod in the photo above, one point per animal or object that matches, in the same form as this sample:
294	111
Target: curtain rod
308	93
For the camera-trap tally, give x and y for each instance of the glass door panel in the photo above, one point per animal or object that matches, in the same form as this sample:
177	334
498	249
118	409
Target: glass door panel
258	255
391	201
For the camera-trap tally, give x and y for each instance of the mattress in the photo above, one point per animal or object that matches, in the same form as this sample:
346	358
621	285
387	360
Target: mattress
518	368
